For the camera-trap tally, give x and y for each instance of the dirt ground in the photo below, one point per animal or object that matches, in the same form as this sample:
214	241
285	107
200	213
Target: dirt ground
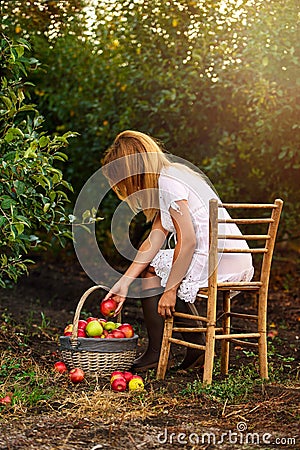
165	417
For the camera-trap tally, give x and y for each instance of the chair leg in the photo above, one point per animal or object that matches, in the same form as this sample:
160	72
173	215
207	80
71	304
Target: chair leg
225	346
262	341
210	335
165	349
209	354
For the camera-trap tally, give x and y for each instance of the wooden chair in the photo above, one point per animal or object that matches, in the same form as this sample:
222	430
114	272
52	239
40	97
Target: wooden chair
259	286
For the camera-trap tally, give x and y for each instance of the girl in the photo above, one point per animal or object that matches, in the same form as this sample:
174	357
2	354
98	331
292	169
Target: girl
175	199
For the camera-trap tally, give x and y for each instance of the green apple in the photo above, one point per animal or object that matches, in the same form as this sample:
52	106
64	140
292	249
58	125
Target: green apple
109	326
94	328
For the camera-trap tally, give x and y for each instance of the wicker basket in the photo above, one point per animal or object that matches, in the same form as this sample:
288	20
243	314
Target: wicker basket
96	356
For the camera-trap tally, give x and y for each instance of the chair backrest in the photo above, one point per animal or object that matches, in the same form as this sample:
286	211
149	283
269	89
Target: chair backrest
263	217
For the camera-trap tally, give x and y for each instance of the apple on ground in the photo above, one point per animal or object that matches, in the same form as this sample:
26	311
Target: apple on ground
94	328
127	329
128	376
116	374
82	324
68	329
119	384
60	367
118	334
108	307
136	383
76	375
5	400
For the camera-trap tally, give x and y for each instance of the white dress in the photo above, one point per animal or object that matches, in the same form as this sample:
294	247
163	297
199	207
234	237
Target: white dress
179	183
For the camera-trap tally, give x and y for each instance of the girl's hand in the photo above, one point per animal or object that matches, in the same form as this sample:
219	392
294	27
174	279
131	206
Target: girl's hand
166	304
118	292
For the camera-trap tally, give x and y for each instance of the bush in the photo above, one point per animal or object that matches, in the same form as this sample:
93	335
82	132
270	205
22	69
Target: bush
32	190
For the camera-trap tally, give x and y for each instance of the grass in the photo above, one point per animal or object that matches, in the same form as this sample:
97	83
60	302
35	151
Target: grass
27	375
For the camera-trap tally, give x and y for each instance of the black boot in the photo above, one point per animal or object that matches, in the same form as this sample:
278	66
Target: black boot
194	358
155	327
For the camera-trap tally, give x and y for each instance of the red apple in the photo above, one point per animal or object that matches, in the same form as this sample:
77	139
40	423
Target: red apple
76	375
94	328
82	324
60	367
90	319
127	329
108	307
116	372
115	375
68	330
81	333
128	376
110	336
5	400
118	334
119	384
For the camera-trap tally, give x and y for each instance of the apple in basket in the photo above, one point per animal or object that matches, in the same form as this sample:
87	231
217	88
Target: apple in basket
81	333
94	328
89	319
127	329
109	326
110	336
108	307
82	324
68	329
117	334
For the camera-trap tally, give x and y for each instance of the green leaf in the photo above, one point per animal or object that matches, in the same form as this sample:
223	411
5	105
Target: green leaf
46	207
30	153
44	141
19	227
19	186
12	133
24	220
7	203
6	101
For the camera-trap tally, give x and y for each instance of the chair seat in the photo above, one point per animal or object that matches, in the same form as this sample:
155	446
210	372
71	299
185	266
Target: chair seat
230	286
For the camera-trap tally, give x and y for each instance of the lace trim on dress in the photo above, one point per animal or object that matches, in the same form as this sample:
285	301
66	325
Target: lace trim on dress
189	288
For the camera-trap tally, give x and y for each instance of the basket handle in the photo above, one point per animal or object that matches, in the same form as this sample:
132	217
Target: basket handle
80	305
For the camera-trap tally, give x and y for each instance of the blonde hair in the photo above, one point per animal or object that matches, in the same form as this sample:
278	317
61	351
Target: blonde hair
133	163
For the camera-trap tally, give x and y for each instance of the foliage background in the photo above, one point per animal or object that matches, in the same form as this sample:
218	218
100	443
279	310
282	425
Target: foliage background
217	81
